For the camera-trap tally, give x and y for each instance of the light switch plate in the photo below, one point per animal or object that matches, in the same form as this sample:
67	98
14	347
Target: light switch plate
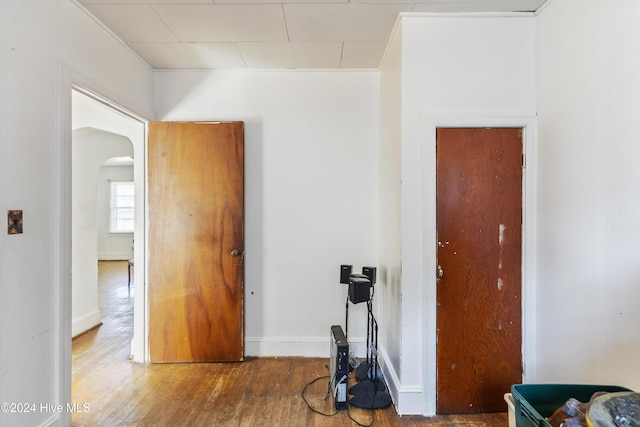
14	221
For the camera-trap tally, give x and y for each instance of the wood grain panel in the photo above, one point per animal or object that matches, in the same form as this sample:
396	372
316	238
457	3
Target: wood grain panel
479	223
196	206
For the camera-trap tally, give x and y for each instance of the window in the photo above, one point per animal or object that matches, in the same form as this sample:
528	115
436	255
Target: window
122	207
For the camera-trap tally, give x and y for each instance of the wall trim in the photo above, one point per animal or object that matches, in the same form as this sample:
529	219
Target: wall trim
545	5
410	400
474	15
429	122
85	322
76	80
406	399
298	346
53	420
115	256
390	376
106	29
68	78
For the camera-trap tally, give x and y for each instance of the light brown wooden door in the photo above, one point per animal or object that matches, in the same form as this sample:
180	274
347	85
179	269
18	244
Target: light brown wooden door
196	241
479	225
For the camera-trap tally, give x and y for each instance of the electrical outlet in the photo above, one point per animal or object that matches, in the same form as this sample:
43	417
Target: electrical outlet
14	221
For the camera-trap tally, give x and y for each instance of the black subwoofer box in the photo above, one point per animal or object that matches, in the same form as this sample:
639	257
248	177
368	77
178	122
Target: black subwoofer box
359	289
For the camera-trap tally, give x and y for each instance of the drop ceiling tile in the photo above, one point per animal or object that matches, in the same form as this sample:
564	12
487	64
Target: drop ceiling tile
282	1
225	23
451	7
362	54
414	1
477	6
516	5
190	55
133	23
291	55
145	1
342	22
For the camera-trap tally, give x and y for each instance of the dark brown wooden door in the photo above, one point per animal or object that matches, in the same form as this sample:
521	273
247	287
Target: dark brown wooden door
479	225
196	241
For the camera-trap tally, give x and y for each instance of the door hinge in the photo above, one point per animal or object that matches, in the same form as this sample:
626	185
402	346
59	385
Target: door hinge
524	161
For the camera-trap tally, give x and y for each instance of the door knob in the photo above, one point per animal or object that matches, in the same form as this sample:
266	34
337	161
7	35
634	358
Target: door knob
236	253
439	273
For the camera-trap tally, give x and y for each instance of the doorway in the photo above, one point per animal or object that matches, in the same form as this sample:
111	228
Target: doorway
427	258
102	131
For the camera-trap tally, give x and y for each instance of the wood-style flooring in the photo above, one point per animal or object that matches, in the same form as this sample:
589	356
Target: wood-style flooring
110	390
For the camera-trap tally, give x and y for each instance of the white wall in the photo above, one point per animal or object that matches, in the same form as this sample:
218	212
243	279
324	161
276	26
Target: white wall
112	246
588	254
468	70
390	226
311	161
42	45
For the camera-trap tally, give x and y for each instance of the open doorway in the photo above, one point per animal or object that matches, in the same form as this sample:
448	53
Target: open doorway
107	146
93	239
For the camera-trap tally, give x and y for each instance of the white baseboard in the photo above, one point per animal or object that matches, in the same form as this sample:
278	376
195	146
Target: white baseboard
407	399
297	346
390	375
115	257
85	322
410	401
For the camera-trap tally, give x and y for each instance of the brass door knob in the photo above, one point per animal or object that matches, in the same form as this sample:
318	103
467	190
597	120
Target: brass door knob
236	253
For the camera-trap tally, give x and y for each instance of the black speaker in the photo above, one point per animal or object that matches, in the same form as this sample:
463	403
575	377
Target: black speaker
345	272
370	272
359	289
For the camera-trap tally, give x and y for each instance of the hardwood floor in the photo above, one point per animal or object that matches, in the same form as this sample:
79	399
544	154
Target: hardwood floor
109	390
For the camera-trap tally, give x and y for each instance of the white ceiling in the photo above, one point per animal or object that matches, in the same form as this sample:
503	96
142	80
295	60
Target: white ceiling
193	34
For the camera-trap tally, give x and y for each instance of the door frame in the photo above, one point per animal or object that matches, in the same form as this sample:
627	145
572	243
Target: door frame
69	78
138	349
428	235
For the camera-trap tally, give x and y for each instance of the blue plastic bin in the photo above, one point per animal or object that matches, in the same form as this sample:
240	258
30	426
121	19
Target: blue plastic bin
534	403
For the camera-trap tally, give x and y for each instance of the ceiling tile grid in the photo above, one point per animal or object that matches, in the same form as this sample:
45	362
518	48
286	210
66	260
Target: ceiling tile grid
204	34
